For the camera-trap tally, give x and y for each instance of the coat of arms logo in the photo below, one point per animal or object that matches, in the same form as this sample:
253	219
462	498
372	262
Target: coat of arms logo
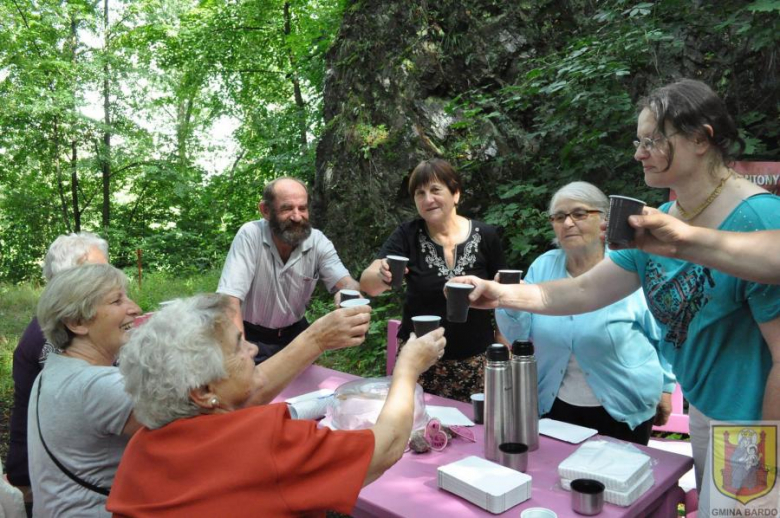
744	463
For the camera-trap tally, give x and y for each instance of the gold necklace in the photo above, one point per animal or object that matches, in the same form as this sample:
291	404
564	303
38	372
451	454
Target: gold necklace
714	194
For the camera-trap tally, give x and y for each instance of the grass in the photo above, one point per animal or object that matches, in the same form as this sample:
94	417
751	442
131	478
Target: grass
17	307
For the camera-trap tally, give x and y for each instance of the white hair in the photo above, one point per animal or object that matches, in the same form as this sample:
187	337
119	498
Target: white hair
71	250
584	192
73	296
177	350
580	191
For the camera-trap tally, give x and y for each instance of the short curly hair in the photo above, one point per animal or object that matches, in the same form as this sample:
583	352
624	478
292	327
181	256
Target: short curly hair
70	250
176	351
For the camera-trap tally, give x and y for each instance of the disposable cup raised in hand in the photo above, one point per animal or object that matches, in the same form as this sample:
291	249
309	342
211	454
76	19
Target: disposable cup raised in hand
619	231
509	276
397	265
424	324
353	303
349	295
458	301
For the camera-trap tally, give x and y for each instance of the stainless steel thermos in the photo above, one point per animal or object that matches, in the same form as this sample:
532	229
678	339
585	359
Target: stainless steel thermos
498	399
525	399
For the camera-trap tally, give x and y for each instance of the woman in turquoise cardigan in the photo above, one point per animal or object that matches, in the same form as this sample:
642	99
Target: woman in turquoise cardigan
599	369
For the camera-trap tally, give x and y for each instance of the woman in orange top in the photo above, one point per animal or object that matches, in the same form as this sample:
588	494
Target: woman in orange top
206	451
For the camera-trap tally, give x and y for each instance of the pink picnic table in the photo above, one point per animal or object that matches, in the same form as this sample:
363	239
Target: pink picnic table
409	488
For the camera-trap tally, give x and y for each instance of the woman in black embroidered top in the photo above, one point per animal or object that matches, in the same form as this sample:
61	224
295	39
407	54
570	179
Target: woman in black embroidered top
441	245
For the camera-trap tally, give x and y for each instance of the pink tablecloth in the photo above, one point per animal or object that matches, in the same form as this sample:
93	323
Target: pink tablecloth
409	489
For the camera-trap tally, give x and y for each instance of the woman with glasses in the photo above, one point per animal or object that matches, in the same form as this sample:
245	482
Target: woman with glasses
599	369
720	333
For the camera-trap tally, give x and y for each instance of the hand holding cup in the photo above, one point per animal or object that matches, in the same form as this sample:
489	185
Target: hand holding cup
419	354
424	324
396	266
619	231
510	276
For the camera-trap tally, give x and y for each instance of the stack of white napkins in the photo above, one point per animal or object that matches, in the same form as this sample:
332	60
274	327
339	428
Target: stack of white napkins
623	469
486	484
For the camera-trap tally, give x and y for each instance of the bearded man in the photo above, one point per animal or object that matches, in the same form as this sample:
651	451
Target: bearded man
273	266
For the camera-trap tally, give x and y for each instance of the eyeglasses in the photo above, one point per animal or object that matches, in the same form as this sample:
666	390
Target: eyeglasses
576	215
650	143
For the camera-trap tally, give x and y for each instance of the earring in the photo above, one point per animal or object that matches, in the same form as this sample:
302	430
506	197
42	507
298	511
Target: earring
214	402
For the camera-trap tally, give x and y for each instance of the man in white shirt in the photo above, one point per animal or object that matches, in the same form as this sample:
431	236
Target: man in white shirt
273	267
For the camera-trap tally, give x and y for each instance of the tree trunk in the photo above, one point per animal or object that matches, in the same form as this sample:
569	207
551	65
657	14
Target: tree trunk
74	185
183	127
299	103
58	172
106	154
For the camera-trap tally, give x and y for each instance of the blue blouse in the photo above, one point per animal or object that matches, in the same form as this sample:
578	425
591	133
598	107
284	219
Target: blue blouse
616	347
709	320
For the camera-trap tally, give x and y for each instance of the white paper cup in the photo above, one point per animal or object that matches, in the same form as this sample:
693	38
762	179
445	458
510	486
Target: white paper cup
353	303
538	512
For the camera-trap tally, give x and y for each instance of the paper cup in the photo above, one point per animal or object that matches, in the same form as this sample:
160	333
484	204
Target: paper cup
349	295
538	512
619	231
424	324
509	276
478	406
352	303
458	301
397	265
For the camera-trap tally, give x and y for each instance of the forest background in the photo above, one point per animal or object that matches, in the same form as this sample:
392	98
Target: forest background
156	123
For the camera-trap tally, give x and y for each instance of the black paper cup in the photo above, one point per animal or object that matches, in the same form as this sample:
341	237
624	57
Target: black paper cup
424	324
509	276
397	265
458	301
619	231
513	455
478	406
349	295
587	496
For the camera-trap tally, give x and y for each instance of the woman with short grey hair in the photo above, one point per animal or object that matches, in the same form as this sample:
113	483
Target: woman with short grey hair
192	378
601	369
80	417
67	251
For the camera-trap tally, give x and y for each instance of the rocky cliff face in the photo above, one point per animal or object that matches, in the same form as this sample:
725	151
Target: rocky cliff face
398	69
393	71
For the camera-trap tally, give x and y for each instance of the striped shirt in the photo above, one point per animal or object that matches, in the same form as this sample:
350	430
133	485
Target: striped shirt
274	294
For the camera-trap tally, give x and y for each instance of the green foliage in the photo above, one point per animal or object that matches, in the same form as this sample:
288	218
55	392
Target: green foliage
570	112
158	287
368	359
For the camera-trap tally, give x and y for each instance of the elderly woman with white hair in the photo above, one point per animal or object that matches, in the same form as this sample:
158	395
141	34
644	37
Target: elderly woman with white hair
30	354
598	369
206	451
80	417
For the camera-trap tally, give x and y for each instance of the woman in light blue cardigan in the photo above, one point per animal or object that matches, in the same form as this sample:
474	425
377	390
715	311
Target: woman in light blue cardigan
599	369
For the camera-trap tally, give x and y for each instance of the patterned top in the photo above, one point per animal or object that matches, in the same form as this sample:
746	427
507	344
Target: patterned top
274	293
709	320
479	254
